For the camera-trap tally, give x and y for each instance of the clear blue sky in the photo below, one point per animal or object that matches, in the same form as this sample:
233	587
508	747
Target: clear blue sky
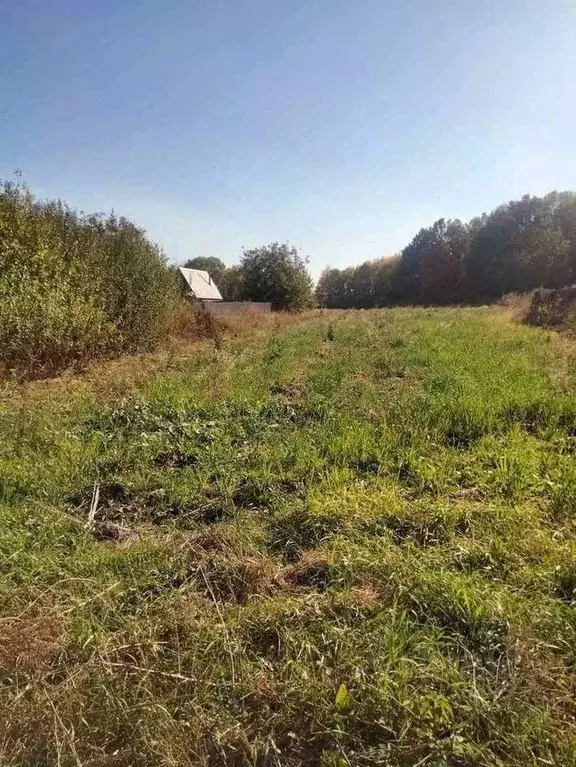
340	125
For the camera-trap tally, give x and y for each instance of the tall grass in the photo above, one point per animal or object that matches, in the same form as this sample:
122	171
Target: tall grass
340	540
75	286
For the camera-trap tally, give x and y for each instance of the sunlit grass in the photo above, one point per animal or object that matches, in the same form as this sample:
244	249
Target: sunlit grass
346	540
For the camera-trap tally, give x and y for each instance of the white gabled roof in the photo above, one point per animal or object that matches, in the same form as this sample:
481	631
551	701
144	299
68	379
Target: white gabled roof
201	284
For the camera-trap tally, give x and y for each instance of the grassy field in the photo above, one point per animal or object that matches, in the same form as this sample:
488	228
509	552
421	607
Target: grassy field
347	539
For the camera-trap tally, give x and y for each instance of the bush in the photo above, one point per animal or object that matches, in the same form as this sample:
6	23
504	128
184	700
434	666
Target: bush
74	286
553	308
278	274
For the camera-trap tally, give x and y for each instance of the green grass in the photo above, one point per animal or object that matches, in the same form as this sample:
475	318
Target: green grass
348	540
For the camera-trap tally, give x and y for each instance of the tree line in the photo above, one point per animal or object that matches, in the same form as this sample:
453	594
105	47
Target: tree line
76	285
522	245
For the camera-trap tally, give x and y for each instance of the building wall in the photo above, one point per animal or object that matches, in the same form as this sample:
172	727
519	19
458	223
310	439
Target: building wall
236	307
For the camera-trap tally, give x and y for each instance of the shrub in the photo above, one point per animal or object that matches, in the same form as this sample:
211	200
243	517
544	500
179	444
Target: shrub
553	308
277	273
74	286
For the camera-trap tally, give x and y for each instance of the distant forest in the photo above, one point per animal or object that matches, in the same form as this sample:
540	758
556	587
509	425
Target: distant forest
520	246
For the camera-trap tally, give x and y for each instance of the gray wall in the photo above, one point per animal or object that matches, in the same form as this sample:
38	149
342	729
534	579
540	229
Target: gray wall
235	307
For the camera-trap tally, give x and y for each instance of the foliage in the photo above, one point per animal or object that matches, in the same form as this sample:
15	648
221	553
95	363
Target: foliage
431	268
231	284
345	539
520	246
364	287
277	273
74	286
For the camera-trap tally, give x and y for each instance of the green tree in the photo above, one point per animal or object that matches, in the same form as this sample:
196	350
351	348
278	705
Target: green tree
431	269
361	287
231	284
384	272
277	273
330	290
521	245
565	220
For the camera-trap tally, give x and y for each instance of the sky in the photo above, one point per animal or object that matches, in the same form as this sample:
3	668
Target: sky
342	126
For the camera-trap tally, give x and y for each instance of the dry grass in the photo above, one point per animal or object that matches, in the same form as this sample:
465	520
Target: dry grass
248	322
29	643
339	539
189	340
517	304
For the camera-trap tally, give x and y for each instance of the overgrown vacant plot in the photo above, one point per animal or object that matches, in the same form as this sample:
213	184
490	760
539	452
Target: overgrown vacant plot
346	540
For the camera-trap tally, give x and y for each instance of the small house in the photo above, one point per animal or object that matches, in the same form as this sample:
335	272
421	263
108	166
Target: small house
200	285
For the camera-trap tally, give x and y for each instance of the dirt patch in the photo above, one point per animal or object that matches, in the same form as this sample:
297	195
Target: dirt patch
175	459
312	571
290	392
235	579
28	644
116	535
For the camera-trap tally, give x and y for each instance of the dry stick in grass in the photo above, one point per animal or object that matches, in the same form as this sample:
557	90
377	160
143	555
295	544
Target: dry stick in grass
226	633
134	667
52	588
70	737
424	760
94	597
93	506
